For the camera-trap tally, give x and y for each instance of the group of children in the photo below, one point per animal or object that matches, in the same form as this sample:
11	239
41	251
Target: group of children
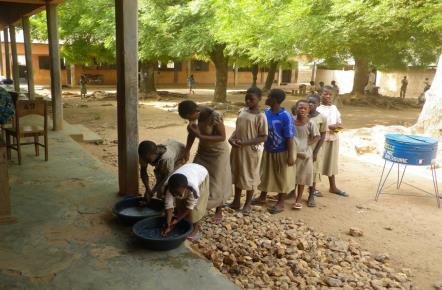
299	147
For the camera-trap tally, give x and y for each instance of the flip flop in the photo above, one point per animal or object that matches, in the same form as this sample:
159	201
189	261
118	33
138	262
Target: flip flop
275	210
193	238
317	193
297	205
217	219
257	201
246	211
341	193
229	205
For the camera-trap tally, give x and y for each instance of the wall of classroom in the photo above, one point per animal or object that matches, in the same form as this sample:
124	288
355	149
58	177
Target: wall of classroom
388	82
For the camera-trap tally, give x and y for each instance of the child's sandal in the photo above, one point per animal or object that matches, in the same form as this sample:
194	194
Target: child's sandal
297	205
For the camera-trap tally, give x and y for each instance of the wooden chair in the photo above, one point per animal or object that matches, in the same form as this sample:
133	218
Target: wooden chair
25	108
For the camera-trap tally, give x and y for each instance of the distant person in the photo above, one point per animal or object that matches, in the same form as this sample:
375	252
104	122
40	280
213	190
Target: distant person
165	158
404	84
186	197
321	87
213	151
427	85
312	88
251	131
331	142
83	88
371	84
335	95
278	159
191	84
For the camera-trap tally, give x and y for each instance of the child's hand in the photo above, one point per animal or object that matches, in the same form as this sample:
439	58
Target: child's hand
233	142
186	156
194	130
332	127
315	156
147	195
290	161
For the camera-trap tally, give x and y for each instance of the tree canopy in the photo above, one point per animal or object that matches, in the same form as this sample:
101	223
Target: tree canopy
384	34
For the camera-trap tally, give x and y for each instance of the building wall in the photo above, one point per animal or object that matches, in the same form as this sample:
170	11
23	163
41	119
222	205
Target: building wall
41	76
389	82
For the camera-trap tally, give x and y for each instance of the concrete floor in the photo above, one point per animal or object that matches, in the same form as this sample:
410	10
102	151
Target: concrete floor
67	238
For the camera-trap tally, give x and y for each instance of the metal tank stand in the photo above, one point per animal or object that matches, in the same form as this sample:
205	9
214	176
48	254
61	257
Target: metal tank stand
400	178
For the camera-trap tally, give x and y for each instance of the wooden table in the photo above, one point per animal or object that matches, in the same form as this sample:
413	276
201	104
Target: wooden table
5	200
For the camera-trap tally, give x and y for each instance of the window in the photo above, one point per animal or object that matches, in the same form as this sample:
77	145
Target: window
44	62
245	69
198	65
169	66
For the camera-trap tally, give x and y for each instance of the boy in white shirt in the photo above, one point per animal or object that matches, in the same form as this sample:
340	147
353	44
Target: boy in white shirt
187	193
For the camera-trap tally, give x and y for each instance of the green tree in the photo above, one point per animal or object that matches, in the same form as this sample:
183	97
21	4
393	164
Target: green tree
380	33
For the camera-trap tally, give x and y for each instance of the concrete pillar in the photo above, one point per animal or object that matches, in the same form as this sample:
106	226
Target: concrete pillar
7	58
279	75
313	78
126	15
28	56
54	55
1	58
15	69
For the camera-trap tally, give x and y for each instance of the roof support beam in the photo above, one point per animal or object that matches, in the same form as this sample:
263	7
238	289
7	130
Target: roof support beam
127	95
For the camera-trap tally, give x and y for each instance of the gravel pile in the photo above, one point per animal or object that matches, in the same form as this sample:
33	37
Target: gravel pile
259	252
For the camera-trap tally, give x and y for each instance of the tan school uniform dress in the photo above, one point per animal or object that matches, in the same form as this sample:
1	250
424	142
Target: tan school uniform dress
304	166
215	157
331	143
321	123
245	160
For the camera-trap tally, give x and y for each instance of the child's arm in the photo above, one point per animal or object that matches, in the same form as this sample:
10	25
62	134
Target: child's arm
290	159
318	146
232	140
189	143
214	138
255	141
145	179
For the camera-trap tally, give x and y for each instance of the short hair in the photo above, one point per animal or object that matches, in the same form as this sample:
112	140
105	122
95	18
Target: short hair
295	106
333	82
177	180
186	107
278	95
312	83
321	83
146	147
327	88
254	91
315	96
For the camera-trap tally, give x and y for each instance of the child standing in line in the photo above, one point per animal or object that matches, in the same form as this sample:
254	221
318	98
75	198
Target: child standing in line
213	153
251	130
321	123
187	191
331	142
307	135
278	159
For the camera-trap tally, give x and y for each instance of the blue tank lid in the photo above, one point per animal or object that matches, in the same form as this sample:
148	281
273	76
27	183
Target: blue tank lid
411	139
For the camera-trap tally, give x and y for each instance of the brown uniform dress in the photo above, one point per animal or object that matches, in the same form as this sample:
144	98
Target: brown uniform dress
321	123
304	166
245	160
215	157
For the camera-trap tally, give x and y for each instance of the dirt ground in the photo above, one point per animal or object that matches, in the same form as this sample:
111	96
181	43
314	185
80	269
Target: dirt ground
408	228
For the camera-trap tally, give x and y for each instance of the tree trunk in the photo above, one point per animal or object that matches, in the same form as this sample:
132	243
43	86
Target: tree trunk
361	75
221	64
254	75
430	118
147	79
270	77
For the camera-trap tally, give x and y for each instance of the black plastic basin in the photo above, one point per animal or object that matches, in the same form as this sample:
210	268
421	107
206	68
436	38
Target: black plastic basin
130	211
149	232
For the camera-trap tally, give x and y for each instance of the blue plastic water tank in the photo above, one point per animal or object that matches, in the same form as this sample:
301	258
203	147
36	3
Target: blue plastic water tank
410	149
